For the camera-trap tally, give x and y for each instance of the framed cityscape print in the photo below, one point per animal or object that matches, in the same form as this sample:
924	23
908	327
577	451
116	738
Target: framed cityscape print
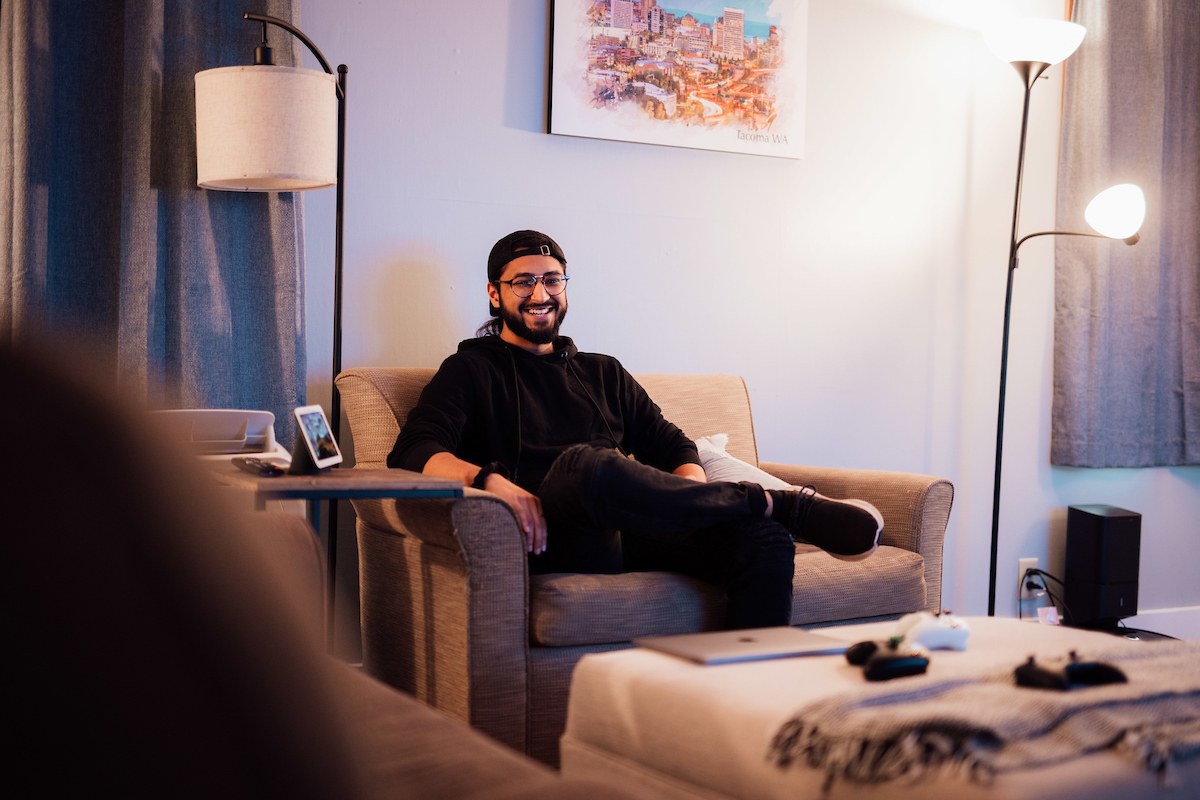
690	73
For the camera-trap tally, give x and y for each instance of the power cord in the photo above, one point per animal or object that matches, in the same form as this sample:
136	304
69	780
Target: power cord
1045	574
1053	597
1031	585
1034	579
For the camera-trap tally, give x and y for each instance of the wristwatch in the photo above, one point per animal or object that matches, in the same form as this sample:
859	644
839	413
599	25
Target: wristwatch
494	467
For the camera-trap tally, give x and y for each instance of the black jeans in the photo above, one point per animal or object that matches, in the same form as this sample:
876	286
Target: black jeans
608	514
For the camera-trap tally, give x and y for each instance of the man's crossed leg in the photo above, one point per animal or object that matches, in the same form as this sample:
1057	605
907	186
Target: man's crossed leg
737	535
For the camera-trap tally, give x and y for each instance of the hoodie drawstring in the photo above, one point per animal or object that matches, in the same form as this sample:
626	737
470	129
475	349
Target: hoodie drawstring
517	389
599	411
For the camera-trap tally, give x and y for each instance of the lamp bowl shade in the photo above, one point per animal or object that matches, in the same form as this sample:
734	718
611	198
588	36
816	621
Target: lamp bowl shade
265	129
1118	212
1048	41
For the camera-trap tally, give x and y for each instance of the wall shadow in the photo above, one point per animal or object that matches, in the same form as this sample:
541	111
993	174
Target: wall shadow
413	316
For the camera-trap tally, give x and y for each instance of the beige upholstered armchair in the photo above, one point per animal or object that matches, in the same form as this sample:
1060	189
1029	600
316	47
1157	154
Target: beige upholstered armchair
450	613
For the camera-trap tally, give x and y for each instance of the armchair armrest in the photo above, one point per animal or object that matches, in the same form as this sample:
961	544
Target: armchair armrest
915	508
444	599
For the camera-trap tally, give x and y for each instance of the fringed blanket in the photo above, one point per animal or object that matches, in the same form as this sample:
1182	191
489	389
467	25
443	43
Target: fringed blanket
982	726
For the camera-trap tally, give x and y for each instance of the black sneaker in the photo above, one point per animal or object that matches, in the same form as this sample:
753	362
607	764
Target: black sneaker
846	529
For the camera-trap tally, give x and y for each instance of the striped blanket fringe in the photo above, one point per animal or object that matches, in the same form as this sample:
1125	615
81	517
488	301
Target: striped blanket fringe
977	727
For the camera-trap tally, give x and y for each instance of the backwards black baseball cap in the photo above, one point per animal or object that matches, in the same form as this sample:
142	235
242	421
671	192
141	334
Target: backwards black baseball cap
521	243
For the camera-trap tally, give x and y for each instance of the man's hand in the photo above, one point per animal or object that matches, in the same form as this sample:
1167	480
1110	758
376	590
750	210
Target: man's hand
528	508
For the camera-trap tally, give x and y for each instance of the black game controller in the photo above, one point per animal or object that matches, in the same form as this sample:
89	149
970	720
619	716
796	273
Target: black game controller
857	654
882	661
1075	675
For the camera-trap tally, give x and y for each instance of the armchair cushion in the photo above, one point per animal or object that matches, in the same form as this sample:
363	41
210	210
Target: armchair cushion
567	609
828	590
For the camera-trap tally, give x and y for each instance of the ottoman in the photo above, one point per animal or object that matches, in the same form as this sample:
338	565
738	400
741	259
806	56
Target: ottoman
704	731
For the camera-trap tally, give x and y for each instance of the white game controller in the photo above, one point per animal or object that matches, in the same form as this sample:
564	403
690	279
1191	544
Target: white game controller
937	632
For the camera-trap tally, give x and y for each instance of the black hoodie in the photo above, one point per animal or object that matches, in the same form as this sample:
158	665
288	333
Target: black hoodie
493	401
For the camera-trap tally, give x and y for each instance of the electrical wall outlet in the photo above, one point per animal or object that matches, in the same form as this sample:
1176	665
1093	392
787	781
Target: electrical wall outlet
1024	564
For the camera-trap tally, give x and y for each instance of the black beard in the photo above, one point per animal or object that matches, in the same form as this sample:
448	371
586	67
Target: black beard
516	323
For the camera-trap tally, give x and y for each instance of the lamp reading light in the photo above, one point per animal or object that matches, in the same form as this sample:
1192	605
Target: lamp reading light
1045	41
1118	212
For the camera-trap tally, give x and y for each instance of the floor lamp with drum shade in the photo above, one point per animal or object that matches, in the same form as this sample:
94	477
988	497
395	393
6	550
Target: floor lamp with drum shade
266	128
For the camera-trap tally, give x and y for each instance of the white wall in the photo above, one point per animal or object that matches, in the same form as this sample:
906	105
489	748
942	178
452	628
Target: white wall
860	290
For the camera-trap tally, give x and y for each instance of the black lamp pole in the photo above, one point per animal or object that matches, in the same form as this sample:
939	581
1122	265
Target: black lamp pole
263	55
1029	71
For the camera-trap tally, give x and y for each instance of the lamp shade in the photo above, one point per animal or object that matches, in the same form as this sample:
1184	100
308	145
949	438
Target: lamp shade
1118	212
266	129
1048	41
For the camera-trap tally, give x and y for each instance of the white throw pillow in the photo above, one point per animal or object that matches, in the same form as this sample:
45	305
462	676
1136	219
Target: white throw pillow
720	466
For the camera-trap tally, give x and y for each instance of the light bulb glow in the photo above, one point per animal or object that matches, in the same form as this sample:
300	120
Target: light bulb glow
1118	212
1031	39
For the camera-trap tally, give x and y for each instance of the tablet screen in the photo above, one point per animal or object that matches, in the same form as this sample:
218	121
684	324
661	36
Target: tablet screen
318	439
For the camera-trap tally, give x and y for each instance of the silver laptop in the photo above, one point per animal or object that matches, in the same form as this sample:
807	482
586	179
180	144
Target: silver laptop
751	644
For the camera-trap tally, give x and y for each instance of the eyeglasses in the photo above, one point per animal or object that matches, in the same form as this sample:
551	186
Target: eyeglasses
523	287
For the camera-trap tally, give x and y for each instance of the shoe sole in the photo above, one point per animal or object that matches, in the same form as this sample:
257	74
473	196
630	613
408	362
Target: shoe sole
874	512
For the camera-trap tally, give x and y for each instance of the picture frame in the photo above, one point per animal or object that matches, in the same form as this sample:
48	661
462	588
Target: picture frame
693	73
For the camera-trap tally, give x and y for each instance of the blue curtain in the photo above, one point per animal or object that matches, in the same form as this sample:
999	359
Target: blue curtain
1127	319
191	298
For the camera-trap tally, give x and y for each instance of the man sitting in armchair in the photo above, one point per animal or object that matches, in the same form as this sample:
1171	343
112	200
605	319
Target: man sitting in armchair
600	482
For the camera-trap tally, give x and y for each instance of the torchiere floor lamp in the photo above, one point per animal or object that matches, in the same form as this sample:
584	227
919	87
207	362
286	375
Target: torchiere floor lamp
1032	46
265	128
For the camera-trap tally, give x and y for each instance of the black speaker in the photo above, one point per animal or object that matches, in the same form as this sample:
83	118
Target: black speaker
1103	550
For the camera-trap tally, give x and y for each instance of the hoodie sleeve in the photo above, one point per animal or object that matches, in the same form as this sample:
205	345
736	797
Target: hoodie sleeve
439	421
649	436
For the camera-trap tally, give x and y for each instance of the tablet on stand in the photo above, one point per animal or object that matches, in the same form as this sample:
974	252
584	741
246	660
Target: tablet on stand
315	449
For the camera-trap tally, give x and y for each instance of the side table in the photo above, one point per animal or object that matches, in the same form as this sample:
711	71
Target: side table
335	484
